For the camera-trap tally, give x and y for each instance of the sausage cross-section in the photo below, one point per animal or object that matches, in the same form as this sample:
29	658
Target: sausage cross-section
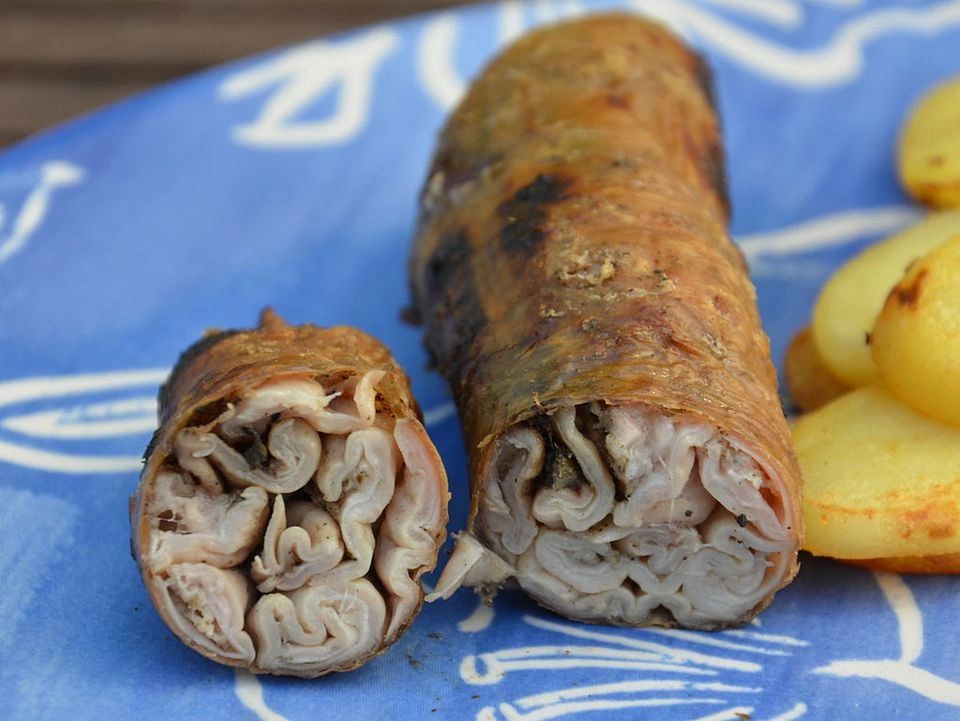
290	500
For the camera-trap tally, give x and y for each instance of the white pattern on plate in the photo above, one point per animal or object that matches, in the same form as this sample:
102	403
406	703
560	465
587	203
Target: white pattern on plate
250	692
479	620
838	61
131	416
788	252
439	414
784	13
89	419
634	651
436	53
435	61
827	231
901	671
53	175
302	76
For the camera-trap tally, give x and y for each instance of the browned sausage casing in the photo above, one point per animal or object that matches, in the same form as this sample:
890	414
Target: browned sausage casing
629	460
290	500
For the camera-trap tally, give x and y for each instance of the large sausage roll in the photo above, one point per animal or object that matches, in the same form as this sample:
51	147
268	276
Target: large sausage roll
290	500
628	456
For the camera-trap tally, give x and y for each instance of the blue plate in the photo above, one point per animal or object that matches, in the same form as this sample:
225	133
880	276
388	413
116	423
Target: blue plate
291	179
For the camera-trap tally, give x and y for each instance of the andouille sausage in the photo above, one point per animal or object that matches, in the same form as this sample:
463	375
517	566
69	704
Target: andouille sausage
629	459
290	500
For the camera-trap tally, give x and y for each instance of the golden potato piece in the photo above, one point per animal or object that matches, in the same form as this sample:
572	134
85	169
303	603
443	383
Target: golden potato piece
851	300
929	162
947	563
916	339
880	480
810	382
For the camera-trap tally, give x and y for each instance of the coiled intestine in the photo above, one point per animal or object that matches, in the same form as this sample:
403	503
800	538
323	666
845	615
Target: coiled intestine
288	534
620	514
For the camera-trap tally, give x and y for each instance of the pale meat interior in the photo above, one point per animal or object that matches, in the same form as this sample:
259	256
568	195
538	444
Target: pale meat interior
620	514
287	535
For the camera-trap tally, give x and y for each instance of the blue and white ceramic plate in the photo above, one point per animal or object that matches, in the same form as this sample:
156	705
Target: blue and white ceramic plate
291	179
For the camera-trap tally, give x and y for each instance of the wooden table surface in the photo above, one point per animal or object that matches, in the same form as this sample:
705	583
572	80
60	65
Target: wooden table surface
60	58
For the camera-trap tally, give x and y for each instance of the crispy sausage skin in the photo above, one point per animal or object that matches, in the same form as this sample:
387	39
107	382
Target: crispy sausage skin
290	500
599	331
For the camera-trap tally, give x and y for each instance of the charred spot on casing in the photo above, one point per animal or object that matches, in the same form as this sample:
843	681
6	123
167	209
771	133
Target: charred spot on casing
704	77
560	466
468	321
714	168
455	313
525	213
707	153
410	315
712	160
909	295
447	261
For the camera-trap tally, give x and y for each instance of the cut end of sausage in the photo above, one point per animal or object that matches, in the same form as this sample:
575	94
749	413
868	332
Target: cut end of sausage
288	535
623	515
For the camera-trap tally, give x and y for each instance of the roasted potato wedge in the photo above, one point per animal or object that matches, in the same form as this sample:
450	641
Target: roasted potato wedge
852	299
880	480
916	339
929	155
810	382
